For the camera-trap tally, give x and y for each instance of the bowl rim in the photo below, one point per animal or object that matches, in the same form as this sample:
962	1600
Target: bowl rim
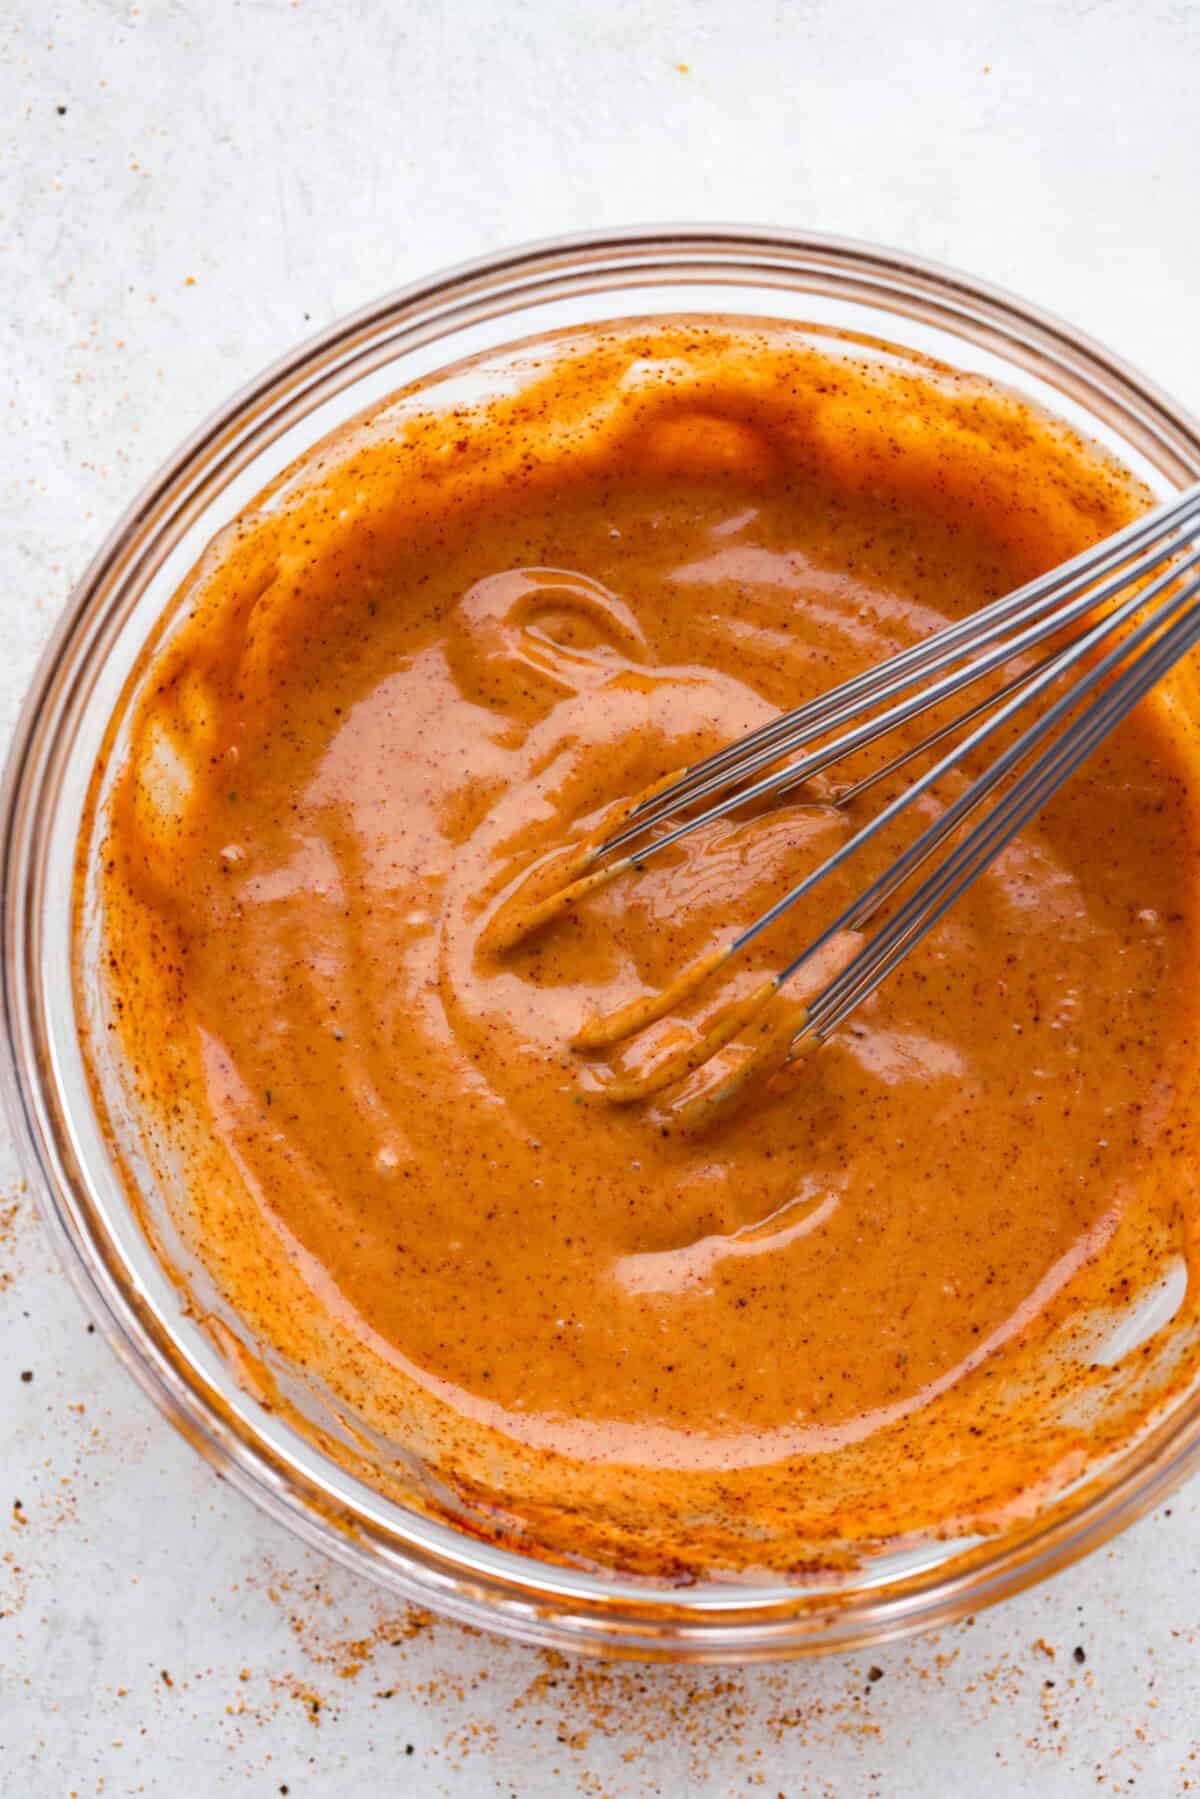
436	1565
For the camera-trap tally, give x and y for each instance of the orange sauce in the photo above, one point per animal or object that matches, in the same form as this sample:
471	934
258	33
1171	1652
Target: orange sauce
865	1304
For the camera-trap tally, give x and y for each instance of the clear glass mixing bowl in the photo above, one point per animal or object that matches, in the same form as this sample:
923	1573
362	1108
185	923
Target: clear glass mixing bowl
477	308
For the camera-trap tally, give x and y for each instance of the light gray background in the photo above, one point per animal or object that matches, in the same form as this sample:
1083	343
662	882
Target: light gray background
225	178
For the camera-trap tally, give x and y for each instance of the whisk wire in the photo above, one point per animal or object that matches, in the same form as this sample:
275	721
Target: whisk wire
898	672
955	814
931	901
1131	606
797	773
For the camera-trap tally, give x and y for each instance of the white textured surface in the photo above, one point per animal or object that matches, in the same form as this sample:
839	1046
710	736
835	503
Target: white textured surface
224	178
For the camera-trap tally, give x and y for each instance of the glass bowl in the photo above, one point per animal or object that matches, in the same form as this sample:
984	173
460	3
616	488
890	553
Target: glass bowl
111	615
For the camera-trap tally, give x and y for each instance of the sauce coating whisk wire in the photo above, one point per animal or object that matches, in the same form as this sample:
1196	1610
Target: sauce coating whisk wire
1116	618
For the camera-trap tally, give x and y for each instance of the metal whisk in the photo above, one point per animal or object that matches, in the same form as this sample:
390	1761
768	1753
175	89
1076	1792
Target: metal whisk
1135	602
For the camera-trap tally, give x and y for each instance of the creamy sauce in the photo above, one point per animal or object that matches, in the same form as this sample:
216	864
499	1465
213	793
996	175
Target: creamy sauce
429	1175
